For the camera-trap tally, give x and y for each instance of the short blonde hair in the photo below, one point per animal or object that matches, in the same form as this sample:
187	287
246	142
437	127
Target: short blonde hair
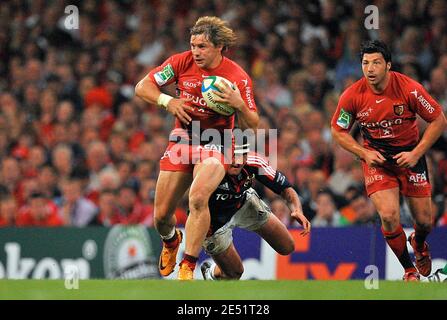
215	30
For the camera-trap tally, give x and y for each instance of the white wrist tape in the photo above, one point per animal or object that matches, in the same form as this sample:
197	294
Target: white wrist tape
163	100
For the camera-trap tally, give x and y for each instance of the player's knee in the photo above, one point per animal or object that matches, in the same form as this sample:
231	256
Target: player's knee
161	213
287	248
236	273
198	201
390	216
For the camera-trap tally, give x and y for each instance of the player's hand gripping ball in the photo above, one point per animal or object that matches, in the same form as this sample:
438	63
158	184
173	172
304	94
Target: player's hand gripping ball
209	86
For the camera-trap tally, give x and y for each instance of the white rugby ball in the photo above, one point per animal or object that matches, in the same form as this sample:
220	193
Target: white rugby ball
208	93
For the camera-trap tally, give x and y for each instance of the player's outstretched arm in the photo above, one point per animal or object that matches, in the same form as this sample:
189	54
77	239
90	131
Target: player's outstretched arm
294	203
371	157
149	92
431	134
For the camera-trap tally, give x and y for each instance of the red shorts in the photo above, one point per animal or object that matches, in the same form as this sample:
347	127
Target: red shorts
183	157
412	182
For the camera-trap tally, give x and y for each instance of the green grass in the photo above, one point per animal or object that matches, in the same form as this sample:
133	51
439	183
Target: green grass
228	290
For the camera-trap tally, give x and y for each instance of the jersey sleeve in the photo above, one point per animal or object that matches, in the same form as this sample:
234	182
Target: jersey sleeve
423	103
264	173
246	88
168	71
344	115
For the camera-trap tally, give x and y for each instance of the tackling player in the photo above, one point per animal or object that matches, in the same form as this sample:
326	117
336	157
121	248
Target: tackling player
385	104
205	165
236	204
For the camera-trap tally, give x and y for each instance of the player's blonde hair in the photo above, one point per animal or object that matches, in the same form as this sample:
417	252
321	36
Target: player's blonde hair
215	30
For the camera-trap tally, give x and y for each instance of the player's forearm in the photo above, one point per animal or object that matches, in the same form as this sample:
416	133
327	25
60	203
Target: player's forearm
248	119
292	199
431	134
147	90
347	142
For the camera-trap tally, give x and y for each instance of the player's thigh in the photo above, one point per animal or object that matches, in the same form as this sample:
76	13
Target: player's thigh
415	181
207	176
230	262
421	209
276	235
379	178
170	188
387	203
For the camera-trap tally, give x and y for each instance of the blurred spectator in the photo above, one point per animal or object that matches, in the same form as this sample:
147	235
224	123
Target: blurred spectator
341	178
62	160
8	210
74	208
97	160
124	207
438	86
365	211
327	214
11	177
67	97
106	208
39	212
281	211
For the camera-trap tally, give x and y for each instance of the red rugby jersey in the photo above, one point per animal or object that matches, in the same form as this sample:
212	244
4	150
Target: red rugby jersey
387	120
181	69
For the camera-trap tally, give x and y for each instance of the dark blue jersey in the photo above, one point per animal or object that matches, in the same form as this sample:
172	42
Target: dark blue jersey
230	195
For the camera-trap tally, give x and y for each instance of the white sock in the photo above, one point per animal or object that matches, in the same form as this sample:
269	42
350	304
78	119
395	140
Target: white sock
169	235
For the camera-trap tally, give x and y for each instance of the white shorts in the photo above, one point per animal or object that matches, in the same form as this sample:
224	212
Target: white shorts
251	216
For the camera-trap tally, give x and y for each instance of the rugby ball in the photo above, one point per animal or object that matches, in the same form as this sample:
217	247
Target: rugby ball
208	93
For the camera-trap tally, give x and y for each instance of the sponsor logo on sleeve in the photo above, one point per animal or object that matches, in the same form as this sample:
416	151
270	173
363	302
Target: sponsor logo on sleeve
163	76
344	119
423	101
248	96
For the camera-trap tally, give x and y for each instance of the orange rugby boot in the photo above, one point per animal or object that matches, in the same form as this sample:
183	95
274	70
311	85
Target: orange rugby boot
423	258
185	272
168	256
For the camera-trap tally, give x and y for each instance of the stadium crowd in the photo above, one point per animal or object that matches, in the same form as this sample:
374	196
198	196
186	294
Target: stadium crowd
77	148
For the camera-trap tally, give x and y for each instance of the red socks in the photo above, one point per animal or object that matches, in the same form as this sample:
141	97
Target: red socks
398	243
190	261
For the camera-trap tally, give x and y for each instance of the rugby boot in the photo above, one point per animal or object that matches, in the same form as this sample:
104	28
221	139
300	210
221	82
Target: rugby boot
185	272
168	256
423	258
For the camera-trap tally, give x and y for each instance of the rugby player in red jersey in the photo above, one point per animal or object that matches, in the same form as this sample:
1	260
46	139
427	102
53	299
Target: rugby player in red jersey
205	163
236	204
385	104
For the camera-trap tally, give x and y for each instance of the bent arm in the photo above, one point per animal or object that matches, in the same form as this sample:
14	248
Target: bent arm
347	142
431	134
247	119
294	203
147	90
292	199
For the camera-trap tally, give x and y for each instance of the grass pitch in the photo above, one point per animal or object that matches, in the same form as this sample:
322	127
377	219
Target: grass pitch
225	290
